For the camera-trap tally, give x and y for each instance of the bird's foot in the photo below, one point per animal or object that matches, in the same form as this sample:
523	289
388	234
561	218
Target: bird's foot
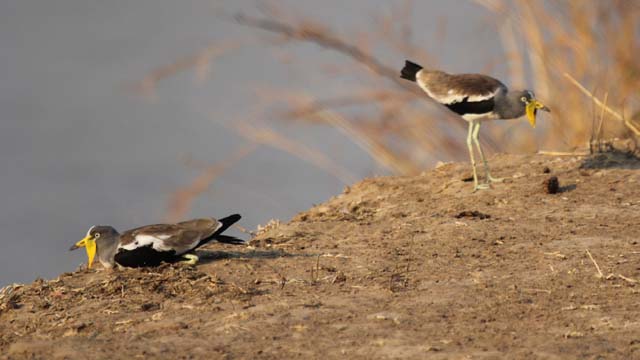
190	259
491	179
477	187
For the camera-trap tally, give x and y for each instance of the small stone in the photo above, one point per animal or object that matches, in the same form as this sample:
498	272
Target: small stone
472	214
149	306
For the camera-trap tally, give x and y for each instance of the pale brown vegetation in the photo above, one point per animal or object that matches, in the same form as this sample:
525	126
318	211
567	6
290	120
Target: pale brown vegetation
580	57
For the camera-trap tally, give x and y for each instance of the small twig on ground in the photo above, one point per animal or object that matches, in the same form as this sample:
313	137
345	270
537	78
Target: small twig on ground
282	280
315	273
534	290
598	133
563	153
600	275
629	280
239	288
557	254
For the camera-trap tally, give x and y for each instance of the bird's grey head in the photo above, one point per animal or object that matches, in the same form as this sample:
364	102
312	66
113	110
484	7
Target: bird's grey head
520	99
522	102
526	96
102	233
100	240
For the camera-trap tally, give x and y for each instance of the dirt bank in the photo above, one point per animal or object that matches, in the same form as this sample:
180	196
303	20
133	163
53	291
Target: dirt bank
395	267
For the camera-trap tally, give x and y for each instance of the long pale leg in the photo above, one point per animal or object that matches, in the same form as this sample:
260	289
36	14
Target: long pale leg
476	186
476	132
190	259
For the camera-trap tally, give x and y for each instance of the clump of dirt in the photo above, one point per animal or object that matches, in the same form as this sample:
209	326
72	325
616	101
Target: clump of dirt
395	267
551	185
472	214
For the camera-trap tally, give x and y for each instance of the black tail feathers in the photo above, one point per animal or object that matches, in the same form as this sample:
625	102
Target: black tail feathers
410	70
227	222
230	240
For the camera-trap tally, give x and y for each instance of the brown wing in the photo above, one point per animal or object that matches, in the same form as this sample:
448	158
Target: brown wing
181	237
206	226
129	236
450	89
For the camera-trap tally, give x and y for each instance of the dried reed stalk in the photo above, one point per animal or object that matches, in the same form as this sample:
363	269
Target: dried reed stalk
267	136
596	42
604	106
182	199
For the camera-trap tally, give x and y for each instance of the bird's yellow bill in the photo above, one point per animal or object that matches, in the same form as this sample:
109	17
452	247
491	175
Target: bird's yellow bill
89	244
531	108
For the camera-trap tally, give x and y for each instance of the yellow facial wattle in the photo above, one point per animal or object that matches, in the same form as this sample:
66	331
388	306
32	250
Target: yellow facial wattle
91	251
530	110
89	243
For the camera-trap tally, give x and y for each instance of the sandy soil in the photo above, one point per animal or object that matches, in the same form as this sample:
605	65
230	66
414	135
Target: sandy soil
396	267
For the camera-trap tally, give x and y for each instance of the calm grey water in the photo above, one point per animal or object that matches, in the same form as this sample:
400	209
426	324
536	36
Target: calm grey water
77	149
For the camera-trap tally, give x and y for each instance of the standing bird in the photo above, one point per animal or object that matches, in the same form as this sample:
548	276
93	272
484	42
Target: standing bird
475	97
153	244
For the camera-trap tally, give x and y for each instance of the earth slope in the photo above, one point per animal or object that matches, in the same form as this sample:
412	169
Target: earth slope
395	267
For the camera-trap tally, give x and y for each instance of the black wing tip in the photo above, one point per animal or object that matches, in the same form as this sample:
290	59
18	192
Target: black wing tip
231	219
225	239
410	70
227	222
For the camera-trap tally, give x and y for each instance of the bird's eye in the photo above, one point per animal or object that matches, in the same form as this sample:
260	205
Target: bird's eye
96	235
523	99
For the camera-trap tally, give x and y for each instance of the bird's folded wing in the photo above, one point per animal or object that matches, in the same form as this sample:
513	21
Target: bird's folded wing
450	89
184	241
206	226
163	237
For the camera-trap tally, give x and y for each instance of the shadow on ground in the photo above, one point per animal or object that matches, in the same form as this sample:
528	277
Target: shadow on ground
614	159
207	256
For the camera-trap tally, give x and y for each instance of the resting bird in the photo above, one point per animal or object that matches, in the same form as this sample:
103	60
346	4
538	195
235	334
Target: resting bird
153	244
475	97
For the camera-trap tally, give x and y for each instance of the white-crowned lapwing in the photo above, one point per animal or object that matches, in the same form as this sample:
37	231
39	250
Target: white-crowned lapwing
153	244
475	97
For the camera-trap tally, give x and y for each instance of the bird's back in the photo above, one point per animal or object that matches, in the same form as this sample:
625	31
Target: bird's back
205	226
452	88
